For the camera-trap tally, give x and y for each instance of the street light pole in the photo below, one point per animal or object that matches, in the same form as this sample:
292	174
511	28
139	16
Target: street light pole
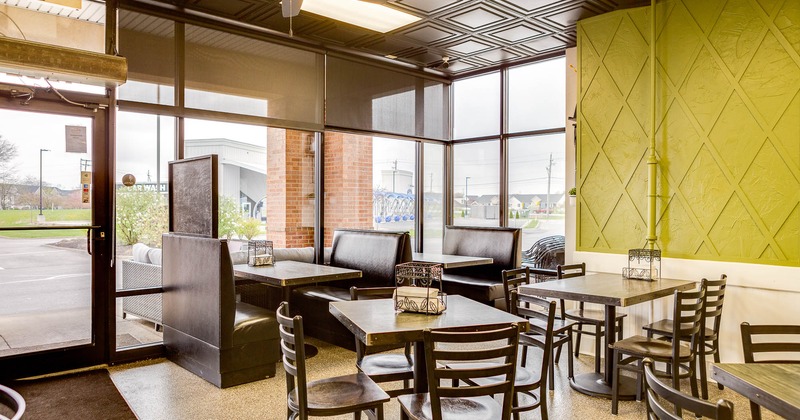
40	179
466	196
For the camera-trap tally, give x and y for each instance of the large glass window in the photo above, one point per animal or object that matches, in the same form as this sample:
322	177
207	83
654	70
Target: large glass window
393	180
148	43
433	188
536	189
536	96
145	144
476	106
476	183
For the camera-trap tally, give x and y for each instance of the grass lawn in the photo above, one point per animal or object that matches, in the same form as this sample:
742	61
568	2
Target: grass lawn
16	218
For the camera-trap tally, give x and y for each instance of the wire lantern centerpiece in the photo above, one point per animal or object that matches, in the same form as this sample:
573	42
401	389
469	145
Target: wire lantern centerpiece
417	289
259	252
643	264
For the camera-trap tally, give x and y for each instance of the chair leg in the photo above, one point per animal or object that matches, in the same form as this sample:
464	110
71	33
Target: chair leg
615	385
558	352
620	330
716	360
357	415
570	367
639	379
755	411
552	374
701	364
676	383
693	379
524	355
598	338
578	335
514	404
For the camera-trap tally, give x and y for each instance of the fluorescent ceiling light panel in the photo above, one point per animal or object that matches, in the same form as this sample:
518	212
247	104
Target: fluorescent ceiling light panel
75	4
367	15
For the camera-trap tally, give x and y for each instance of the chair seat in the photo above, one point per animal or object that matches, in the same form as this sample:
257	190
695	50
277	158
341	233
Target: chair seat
590	316
650	347
379	366
523	377
254	324
665	327
342	394
480	408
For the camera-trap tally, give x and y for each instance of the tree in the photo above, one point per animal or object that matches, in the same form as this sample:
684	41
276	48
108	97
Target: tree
141	217
8	181
229	217
249	228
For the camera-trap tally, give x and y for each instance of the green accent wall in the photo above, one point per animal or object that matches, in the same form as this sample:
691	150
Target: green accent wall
727	130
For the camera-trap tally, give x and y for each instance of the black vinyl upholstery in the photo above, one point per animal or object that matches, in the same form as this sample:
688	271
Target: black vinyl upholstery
483	283
373	252
205	330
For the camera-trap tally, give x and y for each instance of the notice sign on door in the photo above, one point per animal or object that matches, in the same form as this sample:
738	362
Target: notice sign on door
76	139
86	180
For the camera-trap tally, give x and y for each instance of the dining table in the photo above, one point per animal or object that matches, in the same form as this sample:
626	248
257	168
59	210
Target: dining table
450	261
376	322
774	386
612	291
288	274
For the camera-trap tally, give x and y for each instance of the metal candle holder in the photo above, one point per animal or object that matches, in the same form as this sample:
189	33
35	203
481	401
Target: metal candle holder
643	264
259	252
419	275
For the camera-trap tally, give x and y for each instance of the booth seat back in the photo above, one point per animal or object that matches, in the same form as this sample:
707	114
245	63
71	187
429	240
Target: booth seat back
373	252
503	245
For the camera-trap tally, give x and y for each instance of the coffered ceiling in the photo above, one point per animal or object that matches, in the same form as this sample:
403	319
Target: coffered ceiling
474	34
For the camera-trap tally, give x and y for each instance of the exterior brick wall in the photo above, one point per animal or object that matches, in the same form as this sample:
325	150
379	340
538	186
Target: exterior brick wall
348	182
290	188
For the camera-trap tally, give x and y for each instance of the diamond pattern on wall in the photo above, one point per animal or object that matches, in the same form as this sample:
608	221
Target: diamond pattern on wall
626	50
770	187
736	136
787	131
601	104
624	228
677	142
678	230
708	188
623	144
772	79
728	132
788	22
677	43
735	234
736	34
705	89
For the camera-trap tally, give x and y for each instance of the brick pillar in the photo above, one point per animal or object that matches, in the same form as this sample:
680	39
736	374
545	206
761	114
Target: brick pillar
290	188
348	182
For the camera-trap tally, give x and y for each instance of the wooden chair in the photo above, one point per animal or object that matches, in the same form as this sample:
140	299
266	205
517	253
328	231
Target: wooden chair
383	367
466	401
582	316
689	322
561	331
324	397
788	344
12	400
541	315
656	390
709	345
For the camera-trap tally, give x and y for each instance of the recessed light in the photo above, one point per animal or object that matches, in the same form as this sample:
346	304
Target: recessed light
391	57
373	16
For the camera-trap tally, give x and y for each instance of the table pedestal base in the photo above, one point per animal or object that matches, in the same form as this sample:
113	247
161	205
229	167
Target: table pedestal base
595	385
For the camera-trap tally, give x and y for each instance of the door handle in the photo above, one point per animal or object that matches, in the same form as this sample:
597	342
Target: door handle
102	237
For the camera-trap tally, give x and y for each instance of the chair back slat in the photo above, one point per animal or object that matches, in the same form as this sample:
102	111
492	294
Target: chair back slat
294	355
656	390
566	271
771	343
688	319
499	341
512	279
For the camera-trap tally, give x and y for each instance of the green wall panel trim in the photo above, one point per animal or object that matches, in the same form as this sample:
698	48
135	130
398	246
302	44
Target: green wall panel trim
727	133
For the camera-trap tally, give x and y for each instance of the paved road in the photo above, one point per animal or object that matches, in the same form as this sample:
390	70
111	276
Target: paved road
45	293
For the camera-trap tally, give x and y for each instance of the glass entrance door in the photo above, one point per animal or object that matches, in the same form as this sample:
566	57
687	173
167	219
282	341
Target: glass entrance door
54	255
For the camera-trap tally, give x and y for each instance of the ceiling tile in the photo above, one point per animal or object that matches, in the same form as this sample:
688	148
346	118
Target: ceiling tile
545	44
429	34
516	33
567	18
498	55
531	5
477	17
428	6
469	47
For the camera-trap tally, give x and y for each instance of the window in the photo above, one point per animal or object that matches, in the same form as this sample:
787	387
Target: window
476	106
433	190
476	184
393	180
536	96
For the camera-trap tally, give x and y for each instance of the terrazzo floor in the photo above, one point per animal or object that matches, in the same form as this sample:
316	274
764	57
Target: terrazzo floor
160	389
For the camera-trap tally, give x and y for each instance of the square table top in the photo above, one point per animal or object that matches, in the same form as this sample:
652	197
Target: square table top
450	261
607	289
775	387
375	322
293	273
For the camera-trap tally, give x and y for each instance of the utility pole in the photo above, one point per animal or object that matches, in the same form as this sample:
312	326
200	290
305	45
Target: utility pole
549	173
394	172
41	216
